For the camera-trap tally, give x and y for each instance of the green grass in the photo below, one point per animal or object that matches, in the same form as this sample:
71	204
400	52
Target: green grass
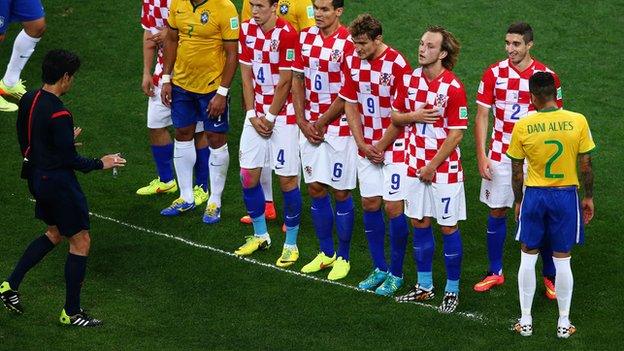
155	293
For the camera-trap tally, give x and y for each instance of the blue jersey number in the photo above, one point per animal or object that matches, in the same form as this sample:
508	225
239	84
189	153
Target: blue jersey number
370	103
516	110
318	84
280	156
260	75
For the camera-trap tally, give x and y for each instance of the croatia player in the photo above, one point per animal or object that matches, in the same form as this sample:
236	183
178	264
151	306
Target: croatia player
270	134
551	141
328	151
30	13
300	14
433	93
202	43
371	78
504	88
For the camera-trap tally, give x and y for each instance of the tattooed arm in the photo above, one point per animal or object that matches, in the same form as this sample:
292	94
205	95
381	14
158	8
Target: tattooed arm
587	181
517	183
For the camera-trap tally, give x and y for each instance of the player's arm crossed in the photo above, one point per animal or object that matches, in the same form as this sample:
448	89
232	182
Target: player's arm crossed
298	95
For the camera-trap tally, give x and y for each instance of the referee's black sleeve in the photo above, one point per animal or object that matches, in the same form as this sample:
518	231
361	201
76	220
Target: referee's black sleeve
62	128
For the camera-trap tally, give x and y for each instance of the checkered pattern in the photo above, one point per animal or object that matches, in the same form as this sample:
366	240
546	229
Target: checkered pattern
372	85
445	92
154	15
321	60
507	91
267	54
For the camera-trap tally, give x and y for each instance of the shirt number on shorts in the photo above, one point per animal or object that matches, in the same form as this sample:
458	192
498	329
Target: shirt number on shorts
446	201
395	181
280	157
337	170
548	170
515	111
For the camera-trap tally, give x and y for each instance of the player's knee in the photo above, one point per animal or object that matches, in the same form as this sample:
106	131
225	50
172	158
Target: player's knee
80	243
425	222
159	136
371	204
529	250
317	190
288	183
393	208
216	140
342	195
498	212
54	235
448	230
35	29
185	133
247	178
561	254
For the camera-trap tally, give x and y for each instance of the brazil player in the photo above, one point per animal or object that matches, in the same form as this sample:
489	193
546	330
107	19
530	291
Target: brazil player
201	50
46	135
372	75
552	141
270	134
30	13
504	89
432	102
300	15
328	151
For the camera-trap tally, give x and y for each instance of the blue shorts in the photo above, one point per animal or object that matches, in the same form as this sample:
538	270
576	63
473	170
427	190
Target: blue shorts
19	11
59	200
189	108
551	215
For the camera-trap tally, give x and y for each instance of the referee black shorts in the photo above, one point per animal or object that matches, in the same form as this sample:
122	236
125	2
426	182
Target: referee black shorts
59	200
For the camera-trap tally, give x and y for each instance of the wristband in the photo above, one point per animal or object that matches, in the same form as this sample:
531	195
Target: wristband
165	78
270	117
223	91
250	114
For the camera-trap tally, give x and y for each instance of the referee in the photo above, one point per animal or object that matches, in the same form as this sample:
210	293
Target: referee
46	134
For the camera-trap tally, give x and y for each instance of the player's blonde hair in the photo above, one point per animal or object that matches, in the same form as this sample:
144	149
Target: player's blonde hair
450	44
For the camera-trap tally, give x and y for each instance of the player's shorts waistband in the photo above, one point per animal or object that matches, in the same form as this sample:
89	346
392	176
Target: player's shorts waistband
554	188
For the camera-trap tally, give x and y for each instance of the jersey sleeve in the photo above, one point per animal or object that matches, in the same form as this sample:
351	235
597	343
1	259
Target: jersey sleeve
456	111
245	14
586	142
244	52
172	20
349	89
305	15
515	150
287	49
485	92
298	63
228	22
559	91
401	102
62	129
145	20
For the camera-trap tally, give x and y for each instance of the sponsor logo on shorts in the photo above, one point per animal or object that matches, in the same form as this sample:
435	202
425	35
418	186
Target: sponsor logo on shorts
446	217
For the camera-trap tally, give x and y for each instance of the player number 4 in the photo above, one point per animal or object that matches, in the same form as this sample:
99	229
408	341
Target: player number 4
260	75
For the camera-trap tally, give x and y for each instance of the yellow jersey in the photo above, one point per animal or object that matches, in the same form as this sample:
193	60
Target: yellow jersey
551	141
299	13
202	29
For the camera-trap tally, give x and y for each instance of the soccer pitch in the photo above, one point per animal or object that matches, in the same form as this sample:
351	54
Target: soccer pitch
174	283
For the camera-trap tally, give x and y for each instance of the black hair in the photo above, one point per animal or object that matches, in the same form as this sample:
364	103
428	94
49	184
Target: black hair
57	63
542	86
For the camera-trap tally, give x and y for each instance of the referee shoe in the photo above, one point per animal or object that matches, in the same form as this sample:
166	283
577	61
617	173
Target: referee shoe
10	298
80	319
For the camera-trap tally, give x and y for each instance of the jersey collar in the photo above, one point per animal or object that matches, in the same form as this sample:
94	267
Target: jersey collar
548	109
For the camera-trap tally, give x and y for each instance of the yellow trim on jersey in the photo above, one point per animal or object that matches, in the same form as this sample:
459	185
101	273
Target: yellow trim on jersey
202	29
551	142
299	13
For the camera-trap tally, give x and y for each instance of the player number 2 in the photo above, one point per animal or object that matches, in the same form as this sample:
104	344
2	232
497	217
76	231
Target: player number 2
395	182
548	169
370	103
260	75
280	156
516	110
337	170
318	83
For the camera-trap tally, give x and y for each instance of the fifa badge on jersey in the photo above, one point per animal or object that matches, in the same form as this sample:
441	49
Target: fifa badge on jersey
559	93
308	170
335	55
274	45
203	18
310	11
463	112
385	79
290	54
283	9
234	23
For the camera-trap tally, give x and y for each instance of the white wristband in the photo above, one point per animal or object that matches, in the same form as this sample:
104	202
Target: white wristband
250	114
223	91
165	78
270	117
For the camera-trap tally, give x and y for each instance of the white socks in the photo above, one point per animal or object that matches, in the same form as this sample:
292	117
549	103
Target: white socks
564	283
23	47
184	159
267	183
218	166
526	285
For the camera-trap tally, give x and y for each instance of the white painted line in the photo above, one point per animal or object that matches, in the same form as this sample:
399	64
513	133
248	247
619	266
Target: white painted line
468	315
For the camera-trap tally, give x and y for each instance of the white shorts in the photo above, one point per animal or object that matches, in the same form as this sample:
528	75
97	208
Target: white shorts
387	180
498	193
444	202
280	151
332	162
159	115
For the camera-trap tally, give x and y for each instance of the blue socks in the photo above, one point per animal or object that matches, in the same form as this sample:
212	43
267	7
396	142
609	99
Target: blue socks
375	230
163	157
323	221
254	202
496	233
452	260
345	218
75	268
201	167
398	243
33	254
548	266
292	215
423	250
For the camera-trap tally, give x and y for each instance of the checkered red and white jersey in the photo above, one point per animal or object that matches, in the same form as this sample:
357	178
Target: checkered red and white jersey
372	85
445	92
153	16
506	89
267	54
321	59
